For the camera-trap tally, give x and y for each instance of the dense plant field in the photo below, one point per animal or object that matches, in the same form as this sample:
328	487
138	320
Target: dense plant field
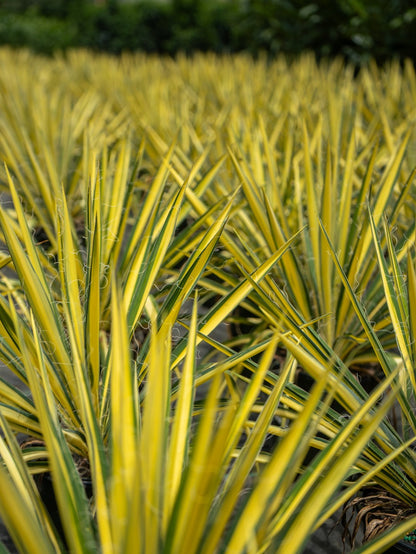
208	296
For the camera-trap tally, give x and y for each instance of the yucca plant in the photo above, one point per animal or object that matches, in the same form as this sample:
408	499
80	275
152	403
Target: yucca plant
124	222
384	474
174	475
323	188
399	283
71	310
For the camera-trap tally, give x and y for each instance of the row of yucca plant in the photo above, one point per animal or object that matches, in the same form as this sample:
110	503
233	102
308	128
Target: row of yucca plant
168	471
49	105
128	198
85	400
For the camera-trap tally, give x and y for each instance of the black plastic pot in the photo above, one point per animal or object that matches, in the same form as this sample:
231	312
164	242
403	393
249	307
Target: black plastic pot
402	547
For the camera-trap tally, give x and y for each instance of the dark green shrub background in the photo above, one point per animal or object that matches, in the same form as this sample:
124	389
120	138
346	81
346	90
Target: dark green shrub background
355	29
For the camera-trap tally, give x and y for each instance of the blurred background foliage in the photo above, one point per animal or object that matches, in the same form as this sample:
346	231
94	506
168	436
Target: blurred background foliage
355	29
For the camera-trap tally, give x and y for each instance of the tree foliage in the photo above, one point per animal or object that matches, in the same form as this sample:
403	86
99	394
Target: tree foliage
356	29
